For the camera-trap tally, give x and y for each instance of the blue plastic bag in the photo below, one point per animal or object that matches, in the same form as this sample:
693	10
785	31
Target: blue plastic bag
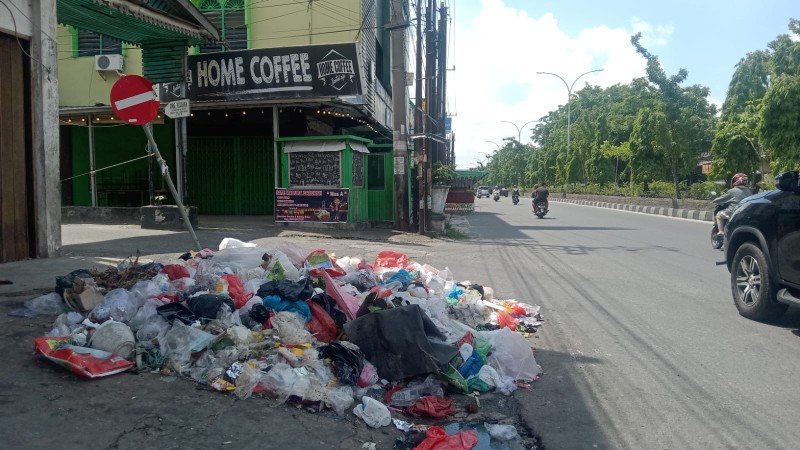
274	303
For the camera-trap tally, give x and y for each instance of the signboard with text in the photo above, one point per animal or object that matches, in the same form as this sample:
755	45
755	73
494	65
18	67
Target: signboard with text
311	205
267	73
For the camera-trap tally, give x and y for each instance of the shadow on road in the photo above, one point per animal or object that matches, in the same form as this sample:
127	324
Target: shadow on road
559	398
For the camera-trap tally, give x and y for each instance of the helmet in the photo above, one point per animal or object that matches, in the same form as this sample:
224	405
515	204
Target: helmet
740	179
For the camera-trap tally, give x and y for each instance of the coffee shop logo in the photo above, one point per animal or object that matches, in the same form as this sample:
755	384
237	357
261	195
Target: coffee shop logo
336	70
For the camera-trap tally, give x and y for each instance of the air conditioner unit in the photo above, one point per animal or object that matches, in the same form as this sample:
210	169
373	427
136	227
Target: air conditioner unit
111	63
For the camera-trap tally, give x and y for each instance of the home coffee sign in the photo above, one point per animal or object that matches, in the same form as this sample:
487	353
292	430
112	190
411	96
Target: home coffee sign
288	72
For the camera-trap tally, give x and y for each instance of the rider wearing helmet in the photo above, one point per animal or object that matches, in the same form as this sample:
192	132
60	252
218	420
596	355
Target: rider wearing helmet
738	192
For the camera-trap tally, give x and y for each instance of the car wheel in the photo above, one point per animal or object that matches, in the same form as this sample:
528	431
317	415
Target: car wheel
752	287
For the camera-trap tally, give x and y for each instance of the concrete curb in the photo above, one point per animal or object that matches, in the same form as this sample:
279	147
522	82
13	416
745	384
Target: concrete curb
656	210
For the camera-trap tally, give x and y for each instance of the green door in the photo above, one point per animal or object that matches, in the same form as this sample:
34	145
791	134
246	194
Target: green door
380	188
231	175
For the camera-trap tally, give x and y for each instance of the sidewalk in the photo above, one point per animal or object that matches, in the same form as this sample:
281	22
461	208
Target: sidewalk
98	246
657	210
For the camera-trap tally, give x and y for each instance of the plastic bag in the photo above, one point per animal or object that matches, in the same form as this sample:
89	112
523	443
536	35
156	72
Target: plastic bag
117	304
504	320
51	303
282	268
234	243
208	306
501	432
151	331
247	380
402	276
432	406
437	439
390	258
339	398
504	385
511	355
321	325
288	290
180	342
88	362
275	303
294	252
114	337
348	360
369	375
318	260
285	381
236	290
175	271
148	309
290	328
373	412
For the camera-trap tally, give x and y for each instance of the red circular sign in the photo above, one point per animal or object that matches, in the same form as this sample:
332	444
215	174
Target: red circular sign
134	100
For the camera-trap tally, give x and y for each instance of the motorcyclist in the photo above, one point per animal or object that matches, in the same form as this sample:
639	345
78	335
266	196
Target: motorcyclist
540	194
515	190
496	192
738	192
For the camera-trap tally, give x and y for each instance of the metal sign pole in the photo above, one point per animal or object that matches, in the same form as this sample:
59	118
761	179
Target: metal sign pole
148	131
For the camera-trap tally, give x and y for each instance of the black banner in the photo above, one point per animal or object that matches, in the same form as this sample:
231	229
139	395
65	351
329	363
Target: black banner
311	205
273	73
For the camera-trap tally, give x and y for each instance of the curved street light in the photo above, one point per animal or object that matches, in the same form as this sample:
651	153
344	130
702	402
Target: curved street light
569	97
519	129
495	143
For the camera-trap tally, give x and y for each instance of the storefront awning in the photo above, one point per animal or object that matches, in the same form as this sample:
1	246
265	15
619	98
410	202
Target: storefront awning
323	146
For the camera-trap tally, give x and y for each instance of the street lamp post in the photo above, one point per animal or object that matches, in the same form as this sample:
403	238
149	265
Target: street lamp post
495	143
519	129
569	97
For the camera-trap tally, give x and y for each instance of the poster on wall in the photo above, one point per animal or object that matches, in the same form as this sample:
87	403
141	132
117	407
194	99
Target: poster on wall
311	205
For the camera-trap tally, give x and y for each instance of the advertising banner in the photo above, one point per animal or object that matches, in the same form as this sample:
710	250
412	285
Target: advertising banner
323	70
311	205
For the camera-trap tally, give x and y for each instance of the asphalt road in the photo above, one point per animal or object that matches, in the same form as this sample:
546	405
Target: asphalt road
643	347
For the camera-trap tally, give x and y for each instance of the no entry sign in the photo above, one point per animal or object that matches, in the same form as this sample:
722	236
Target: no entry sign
134	100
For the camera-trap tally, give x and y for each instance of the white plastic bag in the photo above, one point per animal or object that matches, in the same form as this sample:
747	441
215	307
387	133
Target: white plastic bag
247	381
290	327
114	337
511	354
234	243
339	398
373	412
51	303
501	432
489	375
117	304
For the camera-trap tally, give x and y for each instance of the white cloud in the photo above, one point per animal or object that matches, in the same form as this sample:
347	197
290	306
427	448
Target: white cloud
497	55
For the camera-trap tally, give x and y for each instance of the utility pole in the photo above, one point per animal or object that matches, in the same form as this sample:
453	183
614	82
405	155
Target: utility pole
419	126
441	83
399	107
430	67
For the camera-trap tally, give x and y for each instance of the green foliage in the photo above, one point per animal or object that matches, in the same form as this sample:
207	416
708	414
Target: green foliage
443	173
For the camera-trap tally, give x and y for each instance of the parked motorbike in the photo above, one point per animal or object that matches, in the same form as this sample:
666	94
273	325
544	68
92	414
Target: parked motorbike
515	196
540	209
717	240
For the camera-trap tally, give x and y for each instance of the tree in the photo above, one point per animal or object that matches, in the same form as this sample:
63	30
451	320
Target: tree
683	121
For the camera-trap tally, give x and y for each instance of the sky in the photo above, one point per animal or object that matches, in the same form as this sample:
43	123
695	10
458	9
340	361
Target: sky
497	46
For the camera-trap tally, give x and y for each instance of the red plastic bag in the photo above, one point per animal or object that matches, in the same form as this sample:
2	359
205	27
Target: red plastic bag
175	271
433	406
318	260
437	439
518	311
468	338
390	258
505	320
321	325
236	290
88	362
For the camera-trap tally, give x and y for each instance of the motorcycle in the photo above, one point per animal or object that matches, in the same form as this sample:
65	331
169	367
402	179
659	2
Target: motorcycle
540	209
496	196
515	196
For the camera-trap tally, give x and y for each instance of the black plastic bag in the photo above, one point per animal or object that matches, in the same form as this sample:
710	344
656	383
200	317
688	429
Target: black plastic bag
348	360
207	306
287	290
329	304
66	281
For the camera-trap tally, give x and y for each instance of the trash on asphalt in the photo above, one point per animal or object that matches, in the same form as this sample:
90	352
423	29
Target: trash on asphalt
390	337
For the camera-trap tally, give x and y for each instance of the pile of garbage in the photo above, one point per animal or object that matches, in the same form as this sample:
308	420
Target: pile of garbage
287	325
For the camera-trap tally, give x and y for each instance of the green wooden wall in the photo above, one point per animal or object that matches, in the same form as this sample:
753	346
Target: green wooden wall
126	184
231	175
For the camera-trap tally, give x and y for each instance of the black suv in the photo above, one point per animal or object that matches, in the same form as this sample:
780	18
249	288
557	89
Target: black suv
762	250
